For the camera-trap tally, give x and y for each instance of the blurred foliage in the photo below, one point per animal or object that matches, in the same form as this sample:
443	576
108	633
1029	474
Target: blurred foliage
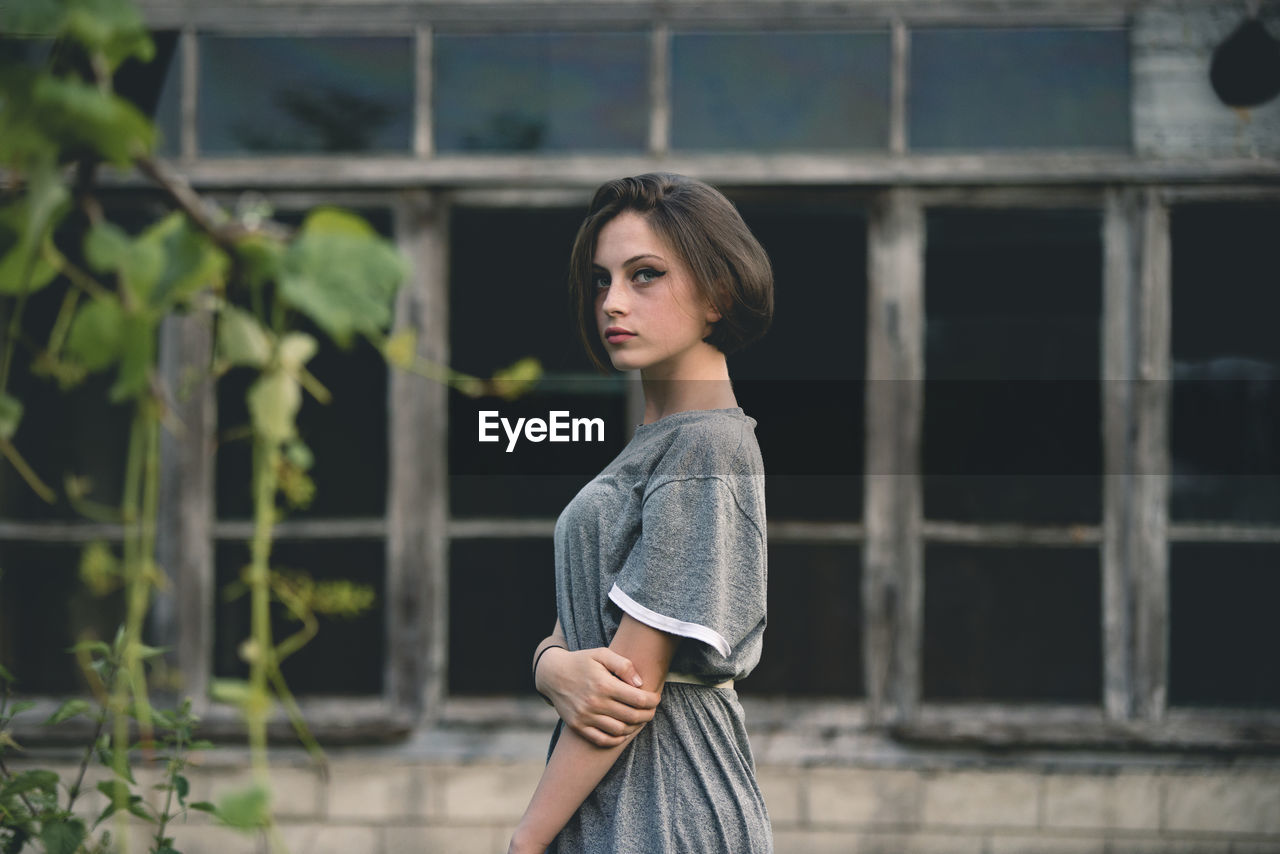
60	123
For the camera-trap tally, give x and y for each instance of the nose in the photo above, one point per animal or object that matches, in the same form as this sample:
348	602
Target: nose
615	301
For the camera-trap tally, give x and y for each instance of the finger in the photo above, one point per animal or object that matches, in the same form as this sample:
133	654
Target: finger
636	698
601	739
611	725
620	666
629	715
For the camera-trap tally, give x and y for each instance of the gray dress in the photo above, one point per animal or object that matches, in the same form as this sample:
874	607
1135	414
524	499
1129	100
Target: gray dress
672	532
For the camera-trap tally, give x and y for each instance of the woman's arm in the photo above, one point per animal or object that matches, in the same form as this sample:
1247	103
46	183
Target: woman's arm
576	765
594	691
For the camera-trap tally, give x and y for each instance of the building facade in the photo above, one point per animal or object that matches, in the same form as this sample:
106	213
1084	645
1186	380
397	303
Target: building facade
1020	406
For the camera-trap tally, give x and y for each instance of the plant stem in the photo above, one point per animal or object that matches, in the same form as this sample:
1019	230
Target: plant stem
265	461
74	791
129	644
10	453
140	589
175	765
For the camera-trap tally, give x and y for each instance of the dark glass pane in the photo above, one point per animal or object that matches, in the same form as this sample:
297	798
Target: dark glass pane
542	92
779	91
501	603
1225	422
1012	624
1018	88
1223	632
1012	417
156	88
813	645
803	382
44	610
347	655
25	51
331	94
348	435
502	312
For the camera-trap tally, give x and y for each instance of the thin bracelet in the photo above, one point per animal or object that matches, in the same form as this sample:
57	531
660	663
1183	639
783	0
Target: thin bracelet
535	669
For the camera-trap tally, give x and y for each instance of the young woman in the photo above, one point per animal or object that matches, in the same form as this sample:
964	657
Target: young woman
660	560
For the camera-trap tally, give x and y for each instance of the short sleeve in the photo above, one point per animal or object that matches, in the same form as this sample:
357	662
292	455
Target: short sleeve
698	568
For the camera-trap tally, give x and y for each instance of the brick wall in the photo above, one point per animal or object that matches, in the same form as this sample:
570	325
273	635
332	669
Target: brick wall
389	804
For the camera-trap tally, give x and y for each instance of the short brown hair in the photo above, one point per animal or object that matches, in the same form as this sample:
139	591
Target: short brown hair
729	266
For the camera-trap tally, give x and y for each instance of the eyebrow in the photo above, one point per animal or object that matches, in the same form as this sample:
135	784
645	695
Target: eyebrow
634	259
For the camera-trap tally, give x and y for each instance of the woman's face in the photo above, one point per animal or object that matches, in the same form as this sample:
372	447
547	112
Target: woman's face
649	313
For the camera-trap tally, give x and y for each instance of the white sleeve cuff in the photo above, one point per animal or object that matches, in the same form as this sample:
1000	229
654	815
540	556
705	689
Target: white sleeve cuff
670	625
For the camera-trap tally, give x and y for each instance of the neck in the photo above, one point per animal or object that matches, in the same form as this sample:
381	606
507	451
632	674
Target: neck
701	383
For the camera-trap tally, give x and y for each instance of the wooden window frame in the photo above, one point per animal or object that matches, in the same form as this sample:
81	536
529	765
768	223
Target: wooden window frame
1134	194
1135	532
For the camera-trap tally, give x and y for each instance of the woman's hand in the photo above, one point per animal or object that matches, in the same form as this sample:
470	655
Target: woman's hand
594	692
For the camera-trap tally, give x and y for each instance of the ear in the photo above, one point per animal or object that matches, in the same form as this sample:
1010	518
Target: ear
712	314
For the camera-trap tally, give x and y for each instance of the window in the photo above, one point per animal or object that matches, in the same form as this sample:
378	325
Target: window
1224	439
1019	88
1013	303
780	91
542	92
314	94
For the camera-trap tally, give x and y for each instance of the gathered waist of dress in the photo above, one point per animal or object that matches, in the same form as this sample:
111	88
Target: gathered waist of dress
690	679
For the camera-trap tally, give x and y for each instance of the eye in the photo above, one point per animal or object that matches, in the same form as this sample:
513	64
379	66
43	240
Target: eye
648	274
599	281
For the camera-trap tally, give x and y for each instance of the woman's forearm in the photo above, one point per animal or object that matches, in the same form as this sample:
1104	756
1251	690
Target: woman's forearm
575	768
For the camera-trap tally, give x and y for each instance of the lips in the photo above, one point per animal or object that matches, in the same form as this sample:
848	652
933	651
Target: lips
616	335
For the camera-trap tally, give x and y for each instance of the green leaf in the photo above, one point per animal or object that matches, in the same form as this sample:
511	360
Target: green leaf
10	415
91	647
296	349
182	787
137	357
68	710
245	809
62	837
203	806
26	229
30	781
108	788
139	808
79	114
517	378
97	333
5	674
145	652
341	275
273	405
261	258
297	452
20	707
242	340
187	262
111	27
107	247
100	571
232	691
